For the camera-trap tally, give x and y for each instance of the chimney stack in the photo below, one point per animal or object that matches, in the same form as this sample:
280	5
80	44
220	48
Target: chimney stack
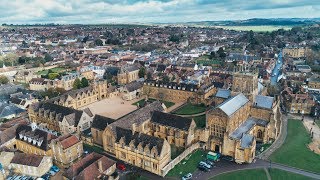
100	165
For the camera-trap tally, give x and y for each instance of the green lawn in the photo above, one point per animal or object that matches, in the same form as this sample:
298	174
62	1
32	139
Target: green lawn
277	174
176	151
200	121
248	174
87	147
318	122
55	70
294	152
166	103
187	165
190	109
260	174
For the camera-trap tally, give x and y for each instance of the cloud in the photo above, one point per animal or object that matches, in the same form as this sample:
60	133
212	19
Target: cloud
132	11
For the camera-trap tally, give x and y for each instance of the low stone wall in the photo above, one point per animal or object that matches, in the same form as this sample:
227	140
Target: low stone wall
178	159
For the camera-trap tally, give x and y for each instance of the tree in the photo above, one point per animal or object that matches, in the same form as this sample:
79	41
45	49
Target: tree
77	84
142	72
3	79
47	57
84	82
53	76
98	42
221	53
165	79
212	55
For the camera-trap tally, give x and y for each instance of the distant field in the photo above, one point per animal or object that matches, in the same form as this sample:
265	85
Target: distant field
255	28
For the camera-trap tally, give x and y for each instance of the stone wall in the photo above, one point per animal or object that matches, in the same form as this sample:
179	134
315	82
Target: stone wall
178	159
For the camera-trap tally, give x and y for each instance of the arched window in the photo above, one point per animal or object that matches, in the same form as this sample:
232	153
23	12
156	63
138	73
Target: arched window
259	134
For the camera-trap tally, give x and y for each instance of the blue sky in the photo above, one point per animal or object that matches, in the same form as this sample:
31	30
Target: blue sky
146	11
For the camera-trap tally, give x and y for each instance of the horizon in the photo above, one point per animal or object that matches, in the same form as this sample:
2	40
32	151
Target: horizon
151	11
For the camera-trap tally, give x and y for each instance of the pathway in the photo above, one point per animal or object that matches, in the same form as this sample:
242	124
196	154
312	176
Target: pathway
267	173
278	142
193	115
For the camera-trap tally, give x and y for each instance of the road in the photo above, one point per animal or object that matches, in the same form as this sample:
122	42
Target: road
279	141
276	70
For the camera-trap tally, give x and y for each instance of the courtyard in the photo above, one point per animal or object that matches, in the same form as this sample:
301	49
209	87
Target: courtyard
113	107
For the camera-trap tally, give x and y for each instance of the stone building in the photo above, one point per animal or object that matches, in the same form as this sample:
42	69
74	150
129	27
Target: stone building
31	140
132	90
26	164
66	149
92	166
299	103
40	84
296	52
128	74
67	81
59	118
99	124
80	98
177	130
147	152
238	123
175	92
245	82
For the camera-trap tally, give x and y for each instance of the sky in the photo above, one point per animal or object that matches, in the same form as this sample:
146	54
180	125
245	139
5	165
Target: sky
151	11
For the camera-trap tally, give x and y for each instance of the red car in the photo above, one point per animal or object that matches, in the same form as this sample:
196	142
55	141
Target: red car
121	167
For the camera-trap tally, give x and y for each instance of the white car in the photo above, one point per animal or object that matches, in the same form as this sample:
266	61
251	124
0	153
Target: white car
202	163
187	176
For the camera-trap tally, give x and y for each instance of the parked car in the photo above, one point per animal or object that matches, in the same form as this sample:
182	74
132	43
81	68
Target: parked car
227	158
55	169
209	162
203	168
121	167
202	163
187	176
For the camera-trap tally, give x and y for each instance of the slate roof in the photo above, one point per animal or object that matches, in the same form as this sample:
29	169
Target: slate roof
246	126
26	159
263	101
172	85
233	104
138	117
246	141
8	109
72	115
137	138
171	120
101	122
132	86
36	134
223	93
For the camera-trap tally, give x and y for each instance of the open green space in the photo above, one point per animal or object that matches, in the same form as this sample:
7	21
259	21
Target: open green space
248	174
54	70
295	152
256	28
190	109
200	121
253	174
176	151
277	174
92	148
142	101
318	122
188	164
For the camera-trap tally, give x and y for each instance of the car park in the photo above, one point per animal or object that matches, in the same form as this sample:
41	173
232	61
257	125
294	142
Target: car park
203	168
187	176
202	163
209	162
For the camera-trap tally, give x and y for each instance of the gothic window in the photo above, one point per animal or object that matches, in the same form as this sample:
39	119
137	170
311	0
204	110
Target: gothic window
259	134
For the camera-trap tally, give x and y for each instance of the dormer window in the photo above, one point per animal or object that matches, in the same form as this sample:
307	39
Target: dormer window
40	142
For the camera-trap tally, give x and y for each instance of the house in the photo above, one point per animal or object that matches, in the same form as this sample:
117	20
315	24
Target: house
26	164
128	74
59	118
132	90
66	149
92	166
40	84
8	132
31	140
